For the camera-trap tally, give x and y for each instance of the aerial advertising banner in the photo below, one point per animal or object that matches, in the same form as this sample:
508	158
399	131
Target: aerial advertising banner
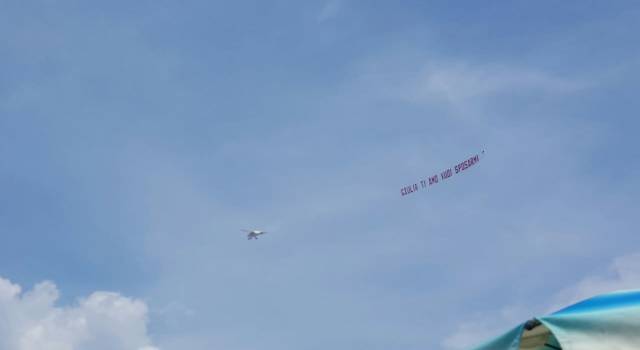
441	176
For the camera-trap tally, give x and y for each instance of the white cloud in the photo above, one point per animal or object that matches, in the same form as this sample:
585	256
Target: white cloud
104	320
623	273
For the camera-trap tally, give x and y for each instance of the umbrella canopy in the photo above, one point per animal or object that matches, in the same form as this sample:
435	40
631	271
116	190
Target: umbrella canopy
606	322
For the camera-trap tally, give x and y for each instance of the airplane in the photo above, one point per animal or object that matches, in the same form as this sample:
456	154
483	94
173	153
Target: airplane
253	234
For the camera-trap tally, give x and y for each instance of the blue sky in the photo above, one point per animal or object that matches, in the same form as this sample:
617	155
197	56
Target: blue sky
138	138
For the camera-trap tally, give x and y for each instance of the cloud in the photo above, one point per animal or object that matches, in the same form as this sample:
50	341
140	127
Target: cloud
480	327
104	320
330	10
458	84
622	274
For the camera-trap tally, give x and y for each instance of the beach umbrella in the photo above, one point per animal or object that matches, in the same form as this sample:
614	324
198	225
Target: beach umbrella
606	322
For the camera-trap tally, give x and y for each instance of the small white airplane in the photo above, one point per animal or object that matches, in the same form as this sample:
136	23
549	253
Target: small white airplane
253	234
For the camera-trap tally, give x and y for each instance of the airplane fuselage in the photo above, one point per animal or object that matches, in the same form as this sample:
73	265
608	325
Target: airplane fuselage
254	234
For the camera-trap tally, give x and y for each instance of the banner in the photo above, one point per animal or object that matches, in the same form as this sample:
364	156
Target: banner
443	175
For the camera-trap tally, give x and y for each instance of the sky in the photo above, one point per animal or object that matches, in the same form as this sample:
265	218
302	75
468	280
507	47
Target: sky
139	138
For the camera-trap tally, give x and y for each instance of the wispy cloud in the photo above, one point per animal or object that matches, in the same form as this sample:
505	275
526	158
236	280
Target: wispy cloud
330	10
623	273
481	327
459	84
